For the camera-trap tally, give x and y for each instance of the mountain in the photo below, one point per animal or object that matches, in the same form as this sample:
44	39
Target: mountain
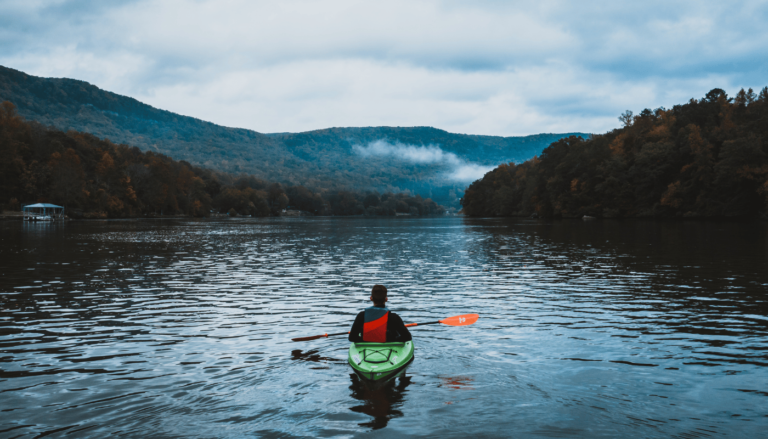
423	160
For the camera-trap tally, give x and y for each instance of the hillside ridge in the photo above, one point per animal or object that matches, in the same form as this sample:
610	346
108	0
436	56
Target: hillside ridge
318	158
707	158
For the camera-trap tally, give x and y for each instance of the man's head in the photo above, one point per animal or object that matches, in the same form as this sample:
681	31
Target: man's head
379	295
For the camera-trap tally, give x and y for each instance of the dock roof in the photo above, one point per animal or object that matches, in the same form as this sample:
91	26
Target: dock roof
46	205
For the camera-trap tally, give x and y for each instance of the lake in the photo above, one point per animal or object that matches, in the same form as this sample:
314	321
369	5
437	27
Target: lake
181	328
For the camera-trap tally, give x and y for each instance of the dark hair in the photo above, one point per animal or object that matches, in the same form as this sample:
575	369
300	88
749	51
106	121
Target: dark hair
378	293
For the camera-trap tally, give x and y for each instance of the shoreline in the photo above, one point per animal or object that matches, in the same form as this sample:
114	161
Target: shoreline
19	216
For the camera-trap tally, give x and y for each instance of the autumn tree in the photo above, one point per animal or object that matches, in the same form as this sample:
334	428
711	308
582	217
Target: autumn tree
67	178
94	177
705	158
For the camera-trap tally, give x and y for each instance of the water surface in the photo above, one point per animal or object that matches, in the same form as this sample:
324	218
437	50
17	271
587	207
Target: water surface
182	328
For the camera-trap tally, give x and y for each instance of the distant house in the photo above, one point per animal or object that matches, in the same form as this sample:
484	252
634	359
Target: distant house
42	212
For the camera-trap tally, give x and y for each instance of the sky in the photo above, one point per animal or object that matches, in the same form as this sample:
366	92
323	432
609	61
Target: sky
504	68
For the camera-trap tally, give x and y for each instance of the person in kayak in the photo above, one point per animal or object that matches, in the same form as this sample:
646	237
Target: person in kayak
378	324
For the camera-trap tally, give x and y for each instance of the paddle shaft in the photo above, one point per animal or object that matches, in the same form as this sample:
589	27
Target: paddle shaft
407	326
461	320
315	337
422	324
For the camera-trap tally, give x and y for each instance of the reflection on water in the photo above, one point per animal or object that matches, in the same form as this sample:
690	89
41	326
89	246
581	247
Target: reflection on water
382	403
182	328
457	382
313	356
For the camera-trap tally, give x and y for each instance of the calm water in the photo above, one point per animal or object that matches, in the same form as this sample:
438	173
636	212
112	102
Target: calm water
182	328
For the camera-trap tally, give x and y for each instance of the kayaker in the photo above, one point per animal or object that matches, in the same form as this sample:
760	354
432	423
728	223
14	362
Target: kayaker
378	324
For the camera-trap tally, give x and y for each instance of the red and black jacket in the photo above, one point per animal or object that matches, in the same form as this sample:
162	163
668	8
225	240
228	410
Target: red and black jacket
378	325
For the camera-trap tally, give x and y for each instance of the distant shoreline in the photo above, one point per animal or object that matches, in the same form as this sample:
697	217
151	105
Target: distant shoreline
19	216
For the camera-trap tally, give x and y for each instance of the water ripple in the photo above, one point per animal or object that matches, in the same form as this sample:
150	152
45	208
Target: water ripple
182	328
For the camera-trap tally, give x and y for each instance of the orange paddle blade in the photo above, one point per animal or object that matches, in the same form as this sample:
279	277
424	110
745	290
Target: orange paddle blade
411	324
462	320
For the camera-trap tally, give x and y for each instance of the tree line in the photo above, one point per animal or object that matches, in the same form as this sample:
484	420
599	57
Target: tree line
95	178
707	158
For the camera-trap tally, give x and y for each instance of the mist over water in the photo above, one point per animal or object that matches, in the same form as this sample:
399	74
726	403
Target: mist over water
456	169
182	328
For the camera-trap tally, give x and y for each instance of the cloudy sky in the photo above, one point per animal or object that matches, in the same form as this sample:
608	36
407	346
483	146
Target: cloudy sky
479	67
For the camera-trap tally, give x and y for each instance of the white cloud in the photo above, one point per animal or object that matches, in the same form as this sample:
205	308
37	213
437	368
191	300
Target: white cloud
455	168
429	154
474	67
470	172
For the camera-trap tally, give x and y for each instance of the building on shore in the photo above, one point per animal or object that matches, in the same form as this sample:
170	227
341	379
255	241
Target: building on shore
43	212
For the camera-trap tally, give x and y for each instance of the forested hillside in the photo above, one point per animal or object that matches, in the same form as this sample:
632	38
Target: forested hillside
706	158
95	178
328	158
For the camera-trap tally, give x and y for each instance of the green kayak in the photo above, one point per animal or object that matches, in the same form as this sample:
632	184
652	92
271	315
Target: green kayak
380	361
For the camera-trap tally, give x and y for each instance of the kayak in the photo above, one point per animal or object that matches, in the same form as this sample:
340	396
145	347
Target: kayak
380	361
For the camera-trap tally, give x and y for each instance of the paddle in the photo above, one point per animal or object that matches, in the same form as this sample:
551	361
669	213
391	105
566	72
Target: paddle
462	320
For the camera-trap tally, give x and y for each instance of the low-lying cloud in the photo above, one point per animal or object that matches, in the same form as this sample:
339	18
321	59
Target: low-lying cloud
456	168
